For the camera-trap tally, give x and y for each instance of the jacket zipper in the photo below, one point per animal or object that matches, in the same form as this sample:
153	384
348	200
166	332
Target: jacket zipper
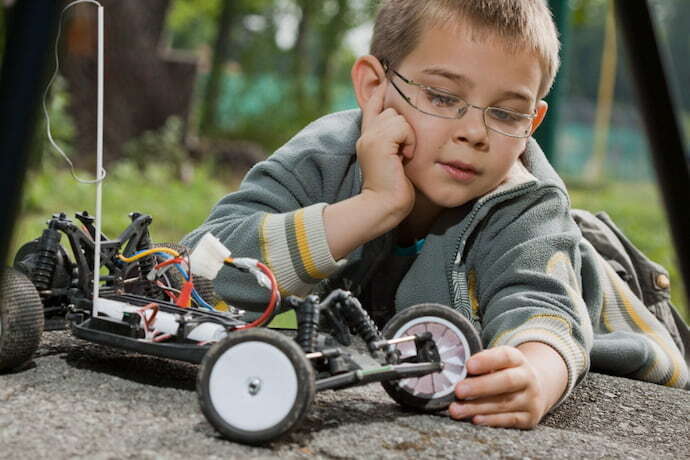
460	245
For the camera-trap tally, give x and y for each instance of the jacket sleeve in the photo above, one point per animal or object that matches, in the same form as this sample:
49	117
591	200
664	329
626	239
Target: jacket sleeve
276	216
527	282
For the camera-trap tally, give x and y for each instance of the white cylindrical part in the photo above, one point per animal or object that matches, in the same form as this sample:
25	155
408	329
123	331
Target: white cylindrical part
208	332
166	322
111	309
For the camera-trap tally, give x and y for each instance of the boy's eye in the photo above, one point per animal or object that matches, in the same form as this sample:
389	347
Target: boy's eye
440	99
503	115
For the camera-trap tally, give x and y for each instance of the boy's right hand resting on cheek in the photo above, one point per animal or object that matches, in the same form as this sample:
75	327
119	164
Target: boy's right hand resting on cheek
386	143
387	195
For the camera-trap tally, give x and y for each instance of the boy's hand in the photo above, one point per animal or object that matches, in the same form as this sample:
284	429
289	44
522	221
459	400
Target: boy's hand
507	390
387	141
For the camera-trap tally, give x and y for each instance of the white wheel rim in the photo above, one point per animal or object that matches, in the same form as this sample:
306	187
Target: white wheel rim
253	386
453	348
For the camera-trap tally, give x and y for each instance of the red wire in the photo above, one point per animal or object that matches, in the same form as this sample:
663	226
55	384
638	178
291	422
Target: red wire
165	263
271	304
167	291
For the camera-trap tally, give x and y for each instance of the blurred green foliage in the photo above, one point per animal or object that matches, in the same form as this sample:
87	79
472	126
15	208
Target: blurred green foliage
161	147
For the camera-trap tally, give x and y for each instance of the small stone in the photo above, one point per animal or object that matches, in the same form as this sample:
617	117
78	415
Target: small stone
640	430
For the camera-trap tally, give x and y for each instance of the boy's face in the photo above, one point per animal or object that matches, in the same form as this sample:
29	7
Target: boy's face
457	160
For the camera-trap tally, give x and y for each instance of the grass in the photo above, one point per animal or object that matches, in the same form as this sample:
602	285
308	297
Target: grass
179	207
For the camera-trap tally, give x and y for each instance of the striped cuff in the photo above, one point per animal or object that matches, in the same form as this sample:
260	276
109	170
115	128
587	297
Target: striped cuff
294	245
555	332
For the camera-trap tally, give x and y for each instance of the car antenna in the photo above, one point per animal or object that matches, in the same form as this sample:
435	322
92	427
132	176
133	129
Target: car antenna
99	136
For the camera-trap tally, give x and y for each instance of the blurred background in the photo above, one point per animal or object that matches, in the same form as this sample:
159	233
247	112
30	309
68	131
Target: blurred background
197	91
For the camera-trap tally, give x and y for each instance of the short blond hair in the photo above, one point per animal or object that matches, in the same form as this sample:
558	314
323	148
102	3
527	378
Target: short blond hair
519	25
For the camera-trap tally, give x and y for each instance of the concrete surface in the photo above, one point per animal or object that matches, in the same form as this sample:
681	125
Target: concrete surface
80	400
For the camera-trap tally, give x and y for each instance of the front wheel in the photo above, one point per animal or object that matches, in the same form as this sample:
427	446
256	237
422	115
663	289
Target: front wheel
456	340
21	319
255	385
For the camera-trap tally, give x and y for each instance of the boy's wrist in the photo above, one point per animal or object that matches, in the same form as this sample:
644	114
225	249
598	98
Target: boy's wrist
355	221
550	368
389	212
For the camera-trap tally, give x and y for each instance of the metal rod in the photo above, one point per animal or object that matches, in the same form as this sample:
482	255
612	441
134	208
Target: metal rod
659	115
408	338
99	161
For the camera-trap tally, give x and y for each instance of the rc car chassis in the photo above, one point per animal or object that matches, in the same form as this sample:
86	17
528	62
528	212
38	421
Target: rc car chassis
255	384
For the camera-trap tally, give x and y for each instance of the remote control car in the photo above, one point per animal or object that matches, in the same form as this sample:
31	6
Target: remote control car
255	384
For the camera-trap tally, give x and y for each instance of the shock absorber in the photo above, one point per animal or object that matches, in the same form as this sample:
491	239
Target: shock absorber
307	313
48	246
146	264
358	320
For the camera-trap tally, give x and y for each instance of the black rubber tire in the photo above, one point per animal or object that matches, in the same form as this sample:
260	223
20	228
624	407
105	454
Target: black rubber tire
400	320
306	386
21	319
203	286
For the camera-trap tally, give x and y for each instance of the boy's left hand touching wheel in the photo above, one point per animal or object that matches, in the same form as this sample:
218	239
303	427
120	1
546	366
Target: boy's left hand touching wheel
510	387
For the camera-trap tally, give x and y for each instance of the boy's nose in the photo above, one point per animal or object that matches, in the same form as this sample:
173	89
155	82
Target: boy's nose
470	127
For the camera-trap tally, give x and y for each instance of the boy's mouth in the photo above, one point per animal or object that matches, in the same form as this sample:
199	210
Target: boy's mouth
460	171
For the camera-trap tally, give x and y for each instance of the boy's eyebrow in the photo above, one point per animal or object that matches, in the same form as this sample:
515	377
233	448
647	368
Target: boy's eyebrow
463	80
441	72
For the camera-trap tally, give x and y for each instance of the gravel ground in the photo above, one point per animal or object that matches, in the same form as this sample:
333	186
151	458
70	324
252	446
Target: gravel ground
80	400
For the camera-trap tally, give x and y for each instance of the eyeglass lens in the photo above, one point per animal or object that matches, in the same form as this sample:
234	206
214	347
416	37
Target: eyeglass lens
448	106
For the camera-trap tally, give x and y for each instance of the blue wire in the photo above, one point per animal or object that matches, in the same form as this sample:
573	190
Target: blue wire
195	295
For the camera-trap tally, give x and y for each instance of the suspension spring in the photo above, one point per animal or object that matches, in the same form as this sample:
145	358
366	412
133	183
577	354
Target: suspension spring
146	264
359	321
48	246
308	323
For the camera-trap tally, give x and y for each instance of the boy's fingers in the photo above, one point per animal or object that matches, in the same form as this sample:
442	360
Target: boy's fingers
374	105
409	143
508	402
494	359
502	382
522	420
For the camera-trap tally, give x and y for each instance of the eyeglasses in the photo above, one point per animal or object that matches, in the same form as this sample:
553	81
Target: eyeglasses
439	103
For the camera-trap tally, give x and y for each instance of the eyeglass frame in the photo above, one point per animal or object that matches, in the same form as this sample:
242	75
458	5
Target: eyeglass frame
387	69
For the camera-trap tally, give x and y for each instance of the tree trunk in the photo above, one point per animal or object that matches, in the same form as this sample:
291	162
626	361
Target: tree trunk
332	36
594	170
209	111
143	87
301	57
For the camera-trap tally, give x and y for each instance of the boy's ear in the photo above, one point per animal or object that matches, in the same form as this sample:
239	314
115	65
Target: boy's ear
367	75
542	108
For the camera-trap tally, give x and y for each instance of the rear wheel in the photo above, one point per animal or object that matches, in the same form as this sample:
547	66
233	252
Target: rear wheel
255	385
456	340
21	319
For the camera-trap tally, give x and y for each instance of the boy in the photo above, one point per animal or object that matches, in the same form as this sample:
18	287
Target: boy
434	193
